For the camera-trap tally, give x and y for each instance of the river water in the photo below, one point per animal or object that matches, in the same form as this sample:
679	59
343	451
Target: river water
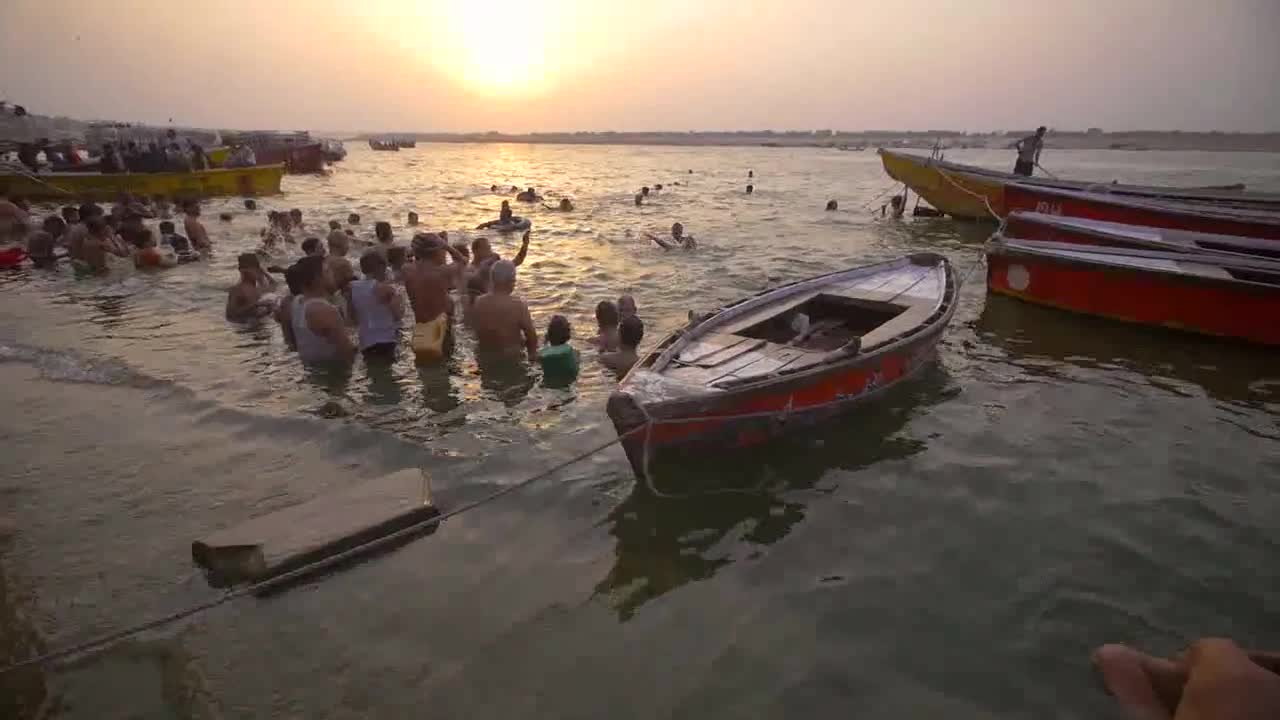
1050	483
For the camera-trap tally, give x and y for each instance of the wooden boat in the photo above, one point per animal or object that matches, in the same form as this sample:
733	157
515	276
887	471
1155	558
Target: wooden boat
1081	231
1212	294
407	144
1141	211
389	145
965	191
258	180
793	354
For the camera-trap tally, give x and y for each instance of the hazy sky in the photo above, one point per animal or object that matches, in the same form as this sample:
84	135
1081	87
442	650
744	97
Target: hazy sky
522	65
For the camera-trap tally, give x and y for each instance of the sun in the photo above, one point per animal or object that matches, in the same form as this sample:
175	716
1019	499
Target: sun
496	47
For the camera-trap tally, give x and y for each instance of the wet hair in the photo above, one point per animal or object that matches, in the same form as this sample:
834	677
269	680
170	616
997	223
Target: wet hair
88	210
68	211
1041	130
190	203
631	331
54	225
565	203
751	189
248	261
250	204
503	273
477	244
493	188
224	217
96	225
426	244
372	262
412	218
310	269
606	313
396	257
334	225
626	300
645	191
353	219
558	330
658	186
833	205
382	230
310	245
166	227
295	213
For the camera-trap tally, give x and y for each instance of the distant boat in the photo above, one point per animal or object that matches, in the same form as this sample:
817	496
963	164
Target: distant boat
407	143
388	145
788	356
969	192
1211	294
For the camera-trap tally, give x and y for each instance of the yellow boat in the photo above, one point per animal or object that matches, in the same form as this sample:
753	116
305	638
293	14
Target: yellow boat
955	191
218	156
258	180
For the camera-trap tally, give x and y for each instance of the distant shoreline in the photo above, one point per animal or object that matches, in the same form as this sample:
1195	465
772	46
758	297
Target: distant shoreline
1134	141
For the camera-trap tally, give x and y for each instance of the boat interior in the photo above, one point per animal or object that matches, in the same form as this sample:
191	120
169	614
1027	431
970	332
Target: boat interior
814	325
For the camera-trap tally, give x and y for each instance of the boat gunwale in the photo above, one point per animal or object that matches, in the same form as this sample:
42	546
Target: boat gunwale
681	407
1001	245
1127	233
1169	206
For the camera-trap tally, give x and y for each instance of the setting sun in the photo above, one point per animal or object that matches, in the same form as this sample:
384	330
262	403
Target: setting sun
497	47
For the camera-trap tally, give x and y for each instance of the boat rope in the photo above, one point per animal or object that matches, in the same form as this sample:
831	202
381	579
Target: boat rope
104	641
32	176
985	200
1046	172
880	194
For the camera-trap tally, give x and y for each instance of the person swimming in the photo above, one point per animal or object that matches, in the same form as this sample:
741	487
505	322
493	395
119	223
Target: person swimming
353	219
382	232
832	205
529	195
639	199
312	247
412	219
505	217
645	191
678	239
565	205
626	306
751	189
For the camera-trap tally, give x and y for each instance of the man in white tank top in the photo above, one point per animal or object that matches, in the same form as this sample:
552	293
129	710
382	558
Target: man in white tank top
317	325
378	308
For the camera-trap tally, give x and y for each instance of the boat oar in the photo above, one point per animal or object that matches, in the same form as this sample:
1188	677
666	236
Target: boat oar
1046	172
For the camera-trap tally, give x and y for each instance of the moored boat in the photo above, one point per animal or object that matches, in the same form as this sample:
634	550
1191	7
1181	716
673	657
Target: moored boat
1211	294
1082	231
969	192
334	150
1173	215
790	355
258	180
387	145
406	144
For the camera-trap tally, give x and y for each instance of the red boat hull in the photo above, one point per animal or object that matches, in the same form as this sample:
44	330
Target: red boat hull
730	421
1222	308
1098	206
297	159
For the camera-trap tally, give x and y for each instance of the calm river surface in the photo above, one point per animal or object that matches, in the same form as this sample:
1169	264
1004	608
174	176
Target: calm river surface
955	549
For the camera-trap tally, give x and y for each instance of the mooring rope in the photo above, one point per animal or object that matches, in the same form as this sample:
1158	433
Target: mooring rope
21	170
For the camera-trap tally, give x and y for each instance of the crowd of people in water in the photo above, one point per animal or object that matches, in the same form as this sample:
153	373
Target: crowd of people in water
345	281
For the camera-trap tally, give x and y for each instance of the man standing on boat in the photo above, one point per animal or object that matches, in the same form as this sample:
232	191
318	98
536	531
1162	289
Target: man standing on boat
1029	149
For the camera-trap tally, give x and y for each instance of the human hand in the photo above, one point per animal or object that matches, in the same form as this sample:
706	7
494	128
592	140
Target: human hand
524	239
1225	684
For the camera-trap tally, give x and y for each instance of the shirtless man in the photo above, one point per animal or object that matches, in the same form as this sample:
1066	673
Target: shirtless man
501	320
339	266
427	282
100	242
482	259
244	299
630	333
678	239
196	234
318	329
335	229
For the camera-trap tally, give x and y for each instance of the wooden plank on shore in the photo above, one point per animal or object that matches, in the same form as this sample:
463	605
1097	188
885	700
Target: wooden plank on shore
278	542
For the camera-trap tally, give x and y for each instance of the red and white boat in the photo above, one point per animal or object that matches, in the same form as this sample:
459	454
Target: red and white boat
1139	211
794	354
1212	294
1082	231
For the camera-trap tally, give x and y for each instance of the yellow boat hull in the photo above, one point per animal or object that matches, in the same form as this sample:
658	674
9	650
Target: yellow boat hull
959	194
258	180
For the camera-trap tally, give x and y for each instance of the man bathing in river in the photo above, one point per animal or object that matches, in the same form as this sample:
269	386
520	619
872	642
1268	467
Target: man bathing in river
427	282
244	299
482	259
630	333
678	239
318	329
501	320
196	234
377	308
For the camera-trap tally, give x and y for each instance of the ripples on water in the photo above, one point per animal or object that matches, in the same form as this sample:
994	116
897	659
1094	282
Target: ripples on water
1053	482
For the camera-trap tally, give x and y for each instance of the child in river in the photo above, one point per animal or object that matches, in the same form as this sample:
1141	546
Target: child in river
606	339
630	333
558	358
